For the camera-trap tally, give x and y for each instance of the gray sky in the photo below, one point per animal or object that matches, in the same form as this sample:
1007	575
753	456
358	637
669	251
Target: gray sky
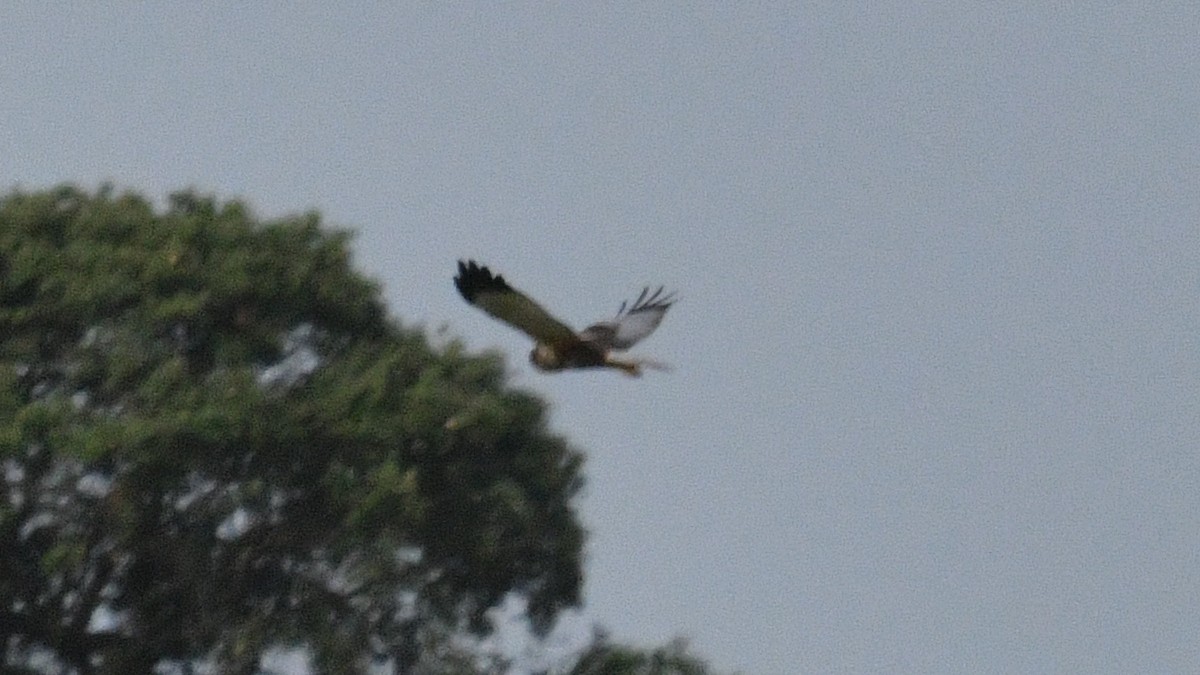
936	405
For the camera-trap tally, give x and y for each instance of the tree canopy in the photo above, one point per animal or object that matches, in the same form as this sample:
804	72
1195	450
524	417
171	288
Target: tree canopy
215	442
603	657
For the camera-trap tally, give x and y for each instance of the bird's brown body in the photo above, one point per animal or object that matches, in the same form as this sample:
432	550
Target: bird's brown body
557	346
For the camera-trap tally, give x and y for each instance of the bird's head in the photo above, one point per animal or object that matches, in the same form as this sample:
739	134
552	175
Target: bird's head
544	357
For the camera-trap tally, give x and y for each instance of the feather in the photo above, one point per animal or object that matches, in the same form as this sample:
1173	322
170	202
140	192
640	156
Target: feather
492	294
558	346
627	328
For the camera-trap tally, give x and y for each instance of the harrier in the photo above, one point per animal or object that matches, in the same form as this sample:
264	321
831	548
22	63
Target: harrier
558	347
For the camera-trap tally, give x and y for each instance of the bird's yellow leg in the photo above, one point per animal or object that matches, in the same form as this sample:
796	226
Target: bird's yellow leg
630	368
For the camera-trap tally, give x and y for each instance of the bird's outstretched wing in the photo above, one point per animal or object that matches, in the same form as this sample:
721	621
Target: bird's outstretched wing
492	294
628	327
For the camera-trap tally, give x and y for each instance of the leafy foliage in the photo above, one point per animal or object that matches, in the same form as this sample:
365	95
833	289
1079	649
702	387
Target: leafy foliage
606	658
214	442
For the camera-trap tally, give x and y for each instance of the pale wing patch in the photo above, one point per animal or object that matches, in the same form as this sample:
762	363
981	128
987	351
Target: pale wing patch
628	328
634	326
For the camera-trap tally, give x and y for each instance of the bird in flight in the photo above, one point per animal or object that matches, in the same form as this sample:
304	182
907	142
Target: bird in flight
557	346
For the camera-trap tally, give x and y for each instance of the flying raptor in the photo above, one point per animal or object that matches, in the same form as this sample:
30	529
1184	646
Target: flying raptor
557	346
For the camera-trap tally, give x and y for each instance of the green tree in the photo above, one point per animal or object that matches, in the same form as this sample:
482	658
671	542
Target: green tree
214	442
603	657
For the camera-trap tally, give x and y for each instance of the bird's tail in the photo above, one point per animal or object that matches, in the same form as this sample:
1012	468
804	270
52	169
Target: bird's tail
633	366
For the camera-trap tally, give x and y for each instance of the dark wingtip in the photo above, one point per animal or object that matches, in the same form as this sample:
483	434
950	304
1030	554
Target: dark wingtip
474	279
654	301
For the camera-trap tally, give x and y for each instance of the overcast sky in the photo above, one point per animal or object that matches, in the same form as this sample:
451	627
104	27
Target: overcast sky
936	400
